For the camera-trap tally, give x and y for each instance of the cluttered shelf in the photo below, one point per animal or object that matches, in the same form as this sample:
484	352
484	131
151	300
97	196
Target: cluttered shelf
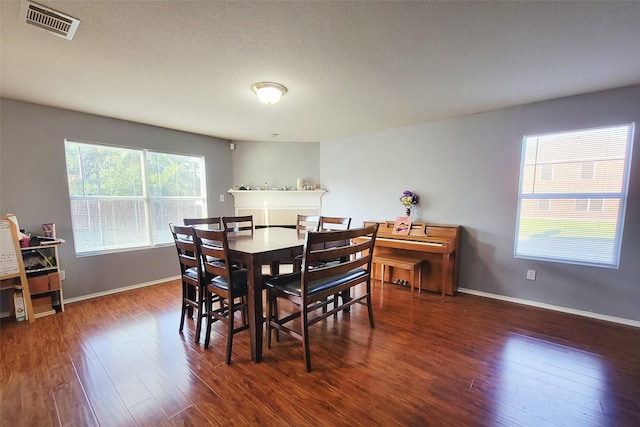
30	268
41	265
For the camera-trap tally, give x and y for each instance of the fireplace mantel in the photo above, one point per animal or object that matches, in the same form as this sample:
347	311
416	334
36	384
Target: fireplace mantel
276	207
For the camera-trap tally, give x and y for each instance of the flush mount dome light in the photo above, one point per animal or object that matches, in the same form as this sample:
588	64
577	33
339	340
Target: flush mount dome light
269	93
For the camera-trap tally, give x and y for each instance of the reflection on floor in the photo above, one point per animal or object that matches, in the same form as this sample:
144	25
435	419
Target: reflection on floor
119	360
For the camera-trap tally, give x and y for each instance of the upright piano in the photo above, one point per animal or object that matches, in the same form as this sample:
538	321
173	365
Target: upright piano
437	245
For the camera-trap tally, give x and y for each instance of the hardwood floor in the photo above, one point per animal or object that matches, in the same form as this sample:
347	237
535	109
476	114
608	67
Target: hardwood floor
120	361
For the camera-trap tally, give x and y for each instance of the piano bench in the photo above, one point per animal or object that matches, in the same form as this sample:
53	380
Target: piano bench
413	265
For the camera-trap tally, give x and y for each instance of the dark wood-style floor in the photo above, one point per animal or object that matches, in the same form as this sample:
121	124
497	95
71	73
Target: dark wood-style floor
120	361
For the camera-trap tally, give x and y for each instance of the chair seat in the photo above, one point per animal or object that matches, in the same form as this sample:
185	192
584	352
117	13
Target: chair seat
239	282
291	283
192	272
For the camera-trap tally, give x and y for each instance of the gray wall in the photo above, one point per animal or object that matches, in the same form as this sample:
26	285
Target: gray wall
279	164
33	186
466	171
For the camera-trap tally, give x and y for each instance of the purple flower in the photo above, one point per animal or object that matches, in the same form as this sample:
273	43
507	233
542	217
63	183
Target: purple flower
408	198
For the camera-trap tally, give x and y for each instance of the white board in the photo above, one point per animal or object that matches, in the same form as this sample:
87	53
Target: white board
8	256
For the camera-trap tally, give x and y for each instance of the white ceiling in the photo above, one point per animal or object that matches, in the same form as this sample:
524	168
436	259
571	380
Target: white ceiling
350	67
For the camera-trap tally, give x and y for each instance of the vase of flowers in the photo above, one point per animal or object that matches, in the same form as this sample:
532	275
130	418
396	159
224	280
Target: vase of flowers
407	199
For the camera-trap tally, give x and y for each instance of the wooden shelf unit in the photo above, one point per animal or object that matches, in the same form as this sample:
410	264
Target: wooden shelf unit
45	284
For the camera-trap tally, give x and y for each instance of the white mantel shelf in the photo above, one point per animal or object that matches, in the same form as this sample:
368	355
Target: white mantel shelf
277	207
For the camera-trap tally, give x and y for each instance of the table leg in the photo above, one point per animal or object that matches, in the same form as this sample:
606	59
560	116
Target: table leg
254	282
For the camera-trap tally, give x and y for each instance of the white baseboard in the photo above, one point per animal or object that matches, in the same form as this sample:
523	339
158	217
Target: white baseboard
613	319
115	291
592	315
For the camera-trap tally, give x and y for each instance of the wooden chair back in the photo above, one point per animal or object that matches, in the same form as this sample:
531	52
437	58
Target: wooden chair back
307	223
235	224
213	249
323	248
328	223
214	223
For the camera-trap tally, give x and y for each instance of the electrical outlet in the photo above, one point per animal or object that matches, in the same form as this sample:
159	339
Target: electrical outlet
531	275
222	197
62	275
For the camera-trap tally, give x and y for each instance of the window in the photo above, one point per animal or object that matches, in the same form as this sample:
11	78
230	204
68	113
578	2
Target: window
124	198
587	170
546	172
544	204
589	205
583	224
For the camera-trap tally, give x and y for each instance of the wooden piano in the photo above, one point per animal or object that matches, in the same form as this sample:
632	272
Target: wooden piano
437	245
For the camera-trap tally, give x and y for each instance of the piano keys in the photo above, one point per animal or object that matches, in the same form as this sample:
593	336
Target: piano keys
437	245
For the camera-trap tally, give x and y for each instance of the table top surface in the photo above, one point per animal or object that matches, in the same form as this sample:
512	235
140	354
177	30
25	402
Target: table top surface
265	240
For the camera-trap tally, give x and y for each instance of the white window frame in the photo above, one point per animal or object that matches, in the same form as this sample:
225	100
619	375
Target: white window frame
599	252
161	238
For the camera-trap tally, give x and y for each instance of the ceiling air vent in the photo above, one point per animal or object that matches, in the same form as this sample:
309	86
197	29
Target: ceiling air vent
48	19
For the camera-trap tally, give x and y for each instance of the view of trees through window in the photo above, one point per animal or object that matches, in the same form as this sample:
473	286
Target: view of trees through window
572	198
125	198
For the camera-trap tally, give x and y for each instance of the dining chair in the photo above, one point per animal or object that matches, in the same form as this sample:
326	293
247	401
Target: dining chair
222	281
235	224
331	223
214	223
305	223
316	286
191	276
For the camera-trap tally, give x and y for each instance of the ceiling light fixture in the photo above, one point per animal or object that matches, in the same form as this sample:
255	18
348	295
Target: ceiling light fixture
269	93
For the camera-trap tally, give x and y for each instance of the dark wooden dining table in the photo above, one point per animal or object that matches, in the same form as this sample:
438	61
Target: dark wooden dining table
262	246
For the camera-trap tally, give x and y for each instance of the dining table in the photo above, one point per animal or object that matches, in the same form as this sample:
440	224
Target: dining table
255	248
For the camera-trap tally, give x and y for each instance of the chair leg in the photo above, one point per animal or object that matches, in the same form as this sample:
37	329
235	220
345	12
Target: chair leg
305	338
369	305
231	306
183	311
209	304
199	314
270	315
244	310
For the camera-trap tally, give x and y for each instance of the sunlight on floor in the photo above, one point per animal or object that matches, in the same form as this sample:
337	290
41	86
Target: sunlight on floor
549	384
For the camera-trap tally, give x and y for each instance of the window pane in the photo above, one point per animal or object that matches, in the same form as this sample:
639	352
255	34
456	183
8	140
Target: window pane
583	236
176	191
172	175
567	152
165	211
96	170
584	196
102	225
